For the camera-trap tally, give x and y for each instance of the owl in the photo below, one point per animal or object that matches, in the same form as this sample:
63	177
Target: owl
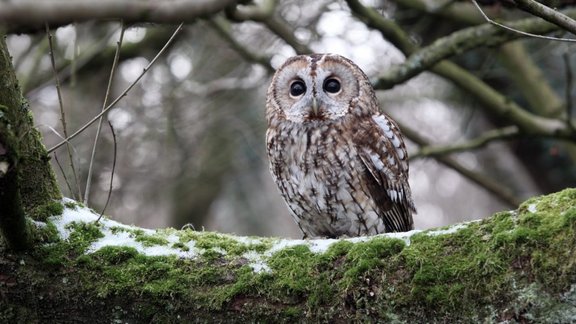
339	162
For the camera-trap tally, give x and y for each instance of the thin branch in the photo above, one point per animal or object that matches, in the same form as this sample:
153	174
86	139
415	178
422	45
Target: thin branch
519	31
26	15
530	80
505	133
568	91
265	15
106	96
62	113
548	14
63	173
461	12
279	27
123	94
113	169
387	27
65	69
496	188
221	27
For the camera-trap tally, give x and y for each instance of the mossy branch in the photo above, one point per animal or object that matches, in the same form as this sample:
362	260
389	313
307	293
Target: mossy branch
459	42
516	265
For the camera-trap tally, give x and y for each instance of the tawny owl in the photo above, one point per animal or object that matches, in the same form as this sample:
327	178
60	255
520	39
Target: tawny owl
339	162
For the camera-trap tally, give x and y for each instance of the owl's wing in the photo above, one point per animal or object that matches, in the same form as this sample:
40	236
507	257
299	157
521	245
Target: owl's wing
383	153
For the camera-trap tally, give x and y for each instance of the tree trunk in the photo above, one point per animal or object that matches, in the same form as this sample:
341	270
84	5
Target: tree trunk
26	179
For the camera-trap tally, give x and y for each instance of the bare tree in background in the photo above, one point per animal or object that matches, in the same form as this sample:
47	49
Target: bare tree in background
487	106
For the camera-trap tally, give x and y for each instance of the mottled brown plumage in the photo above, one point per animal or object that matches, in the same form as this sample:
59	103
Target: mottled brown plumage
339	162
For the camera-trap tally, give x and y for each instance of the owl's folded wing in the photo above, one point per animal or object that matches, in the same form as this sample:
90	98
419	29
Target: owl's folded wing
383	154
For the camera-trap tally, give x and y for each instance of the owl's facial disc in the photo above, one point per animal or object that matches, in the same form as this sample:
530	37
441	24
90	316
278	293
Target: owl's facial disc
315	88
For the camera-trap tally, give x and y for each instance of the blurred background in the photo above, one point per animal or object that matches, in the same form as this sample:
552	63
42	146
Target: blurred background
190	134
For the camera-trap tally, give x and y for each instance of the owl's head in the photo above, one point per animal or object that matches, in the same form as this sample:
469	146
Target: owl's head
319	87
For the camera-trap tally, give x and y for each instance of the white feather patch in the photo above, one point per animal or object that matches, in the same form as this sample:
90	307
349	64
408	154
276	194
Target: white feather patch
382	121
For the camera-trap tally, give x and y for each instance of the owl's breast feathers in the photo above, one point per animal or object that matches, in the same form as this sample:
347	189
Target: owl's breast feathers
347	177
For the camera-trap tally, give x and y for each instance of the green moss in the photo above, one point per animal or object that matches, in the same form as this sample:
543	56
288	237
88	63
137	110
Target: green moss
180	246
149	240
73	205
83	234
511	262
371	255
45	234
53	208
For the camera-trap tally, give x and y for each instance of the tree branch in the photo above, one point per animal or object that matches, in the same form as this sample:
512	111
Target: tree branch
548	14
480	271
222	27
458	11
505	133
491	99
496	188
265	15
32	15
529	79
457	43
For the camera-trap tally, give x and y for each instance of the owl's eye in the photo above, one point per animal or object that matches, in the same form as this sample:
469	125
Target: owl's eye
297	88
331	85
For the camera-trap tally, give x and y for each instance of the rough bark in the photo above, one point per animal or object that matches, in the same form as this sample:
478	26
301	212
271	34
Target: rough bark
26	179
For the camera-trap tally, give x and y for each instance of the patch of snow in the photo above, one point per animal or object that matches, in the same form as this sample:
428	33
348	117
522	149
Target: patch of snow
321	245
450	230
117	234
532	208
256	262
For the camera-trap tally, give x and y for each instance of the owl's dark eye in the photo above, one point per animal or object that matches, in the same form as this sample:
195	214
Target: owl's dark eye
297	88
331	85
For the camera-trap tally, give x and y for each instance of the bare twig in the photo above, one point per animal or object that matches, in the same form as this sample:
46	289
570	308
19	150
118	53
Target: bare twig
62	113
113	103
108	88
568	93
113	169
519	31
505	133
63	174
65	68
29	15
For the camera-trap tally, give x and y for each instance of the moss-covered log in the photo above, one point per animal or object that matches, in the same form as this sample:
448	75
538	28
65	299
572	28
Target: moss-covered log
518	266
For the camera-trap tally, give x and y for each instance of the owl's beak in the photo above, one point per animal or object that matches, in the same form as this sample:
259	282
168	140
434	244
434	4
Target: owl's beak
314	107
